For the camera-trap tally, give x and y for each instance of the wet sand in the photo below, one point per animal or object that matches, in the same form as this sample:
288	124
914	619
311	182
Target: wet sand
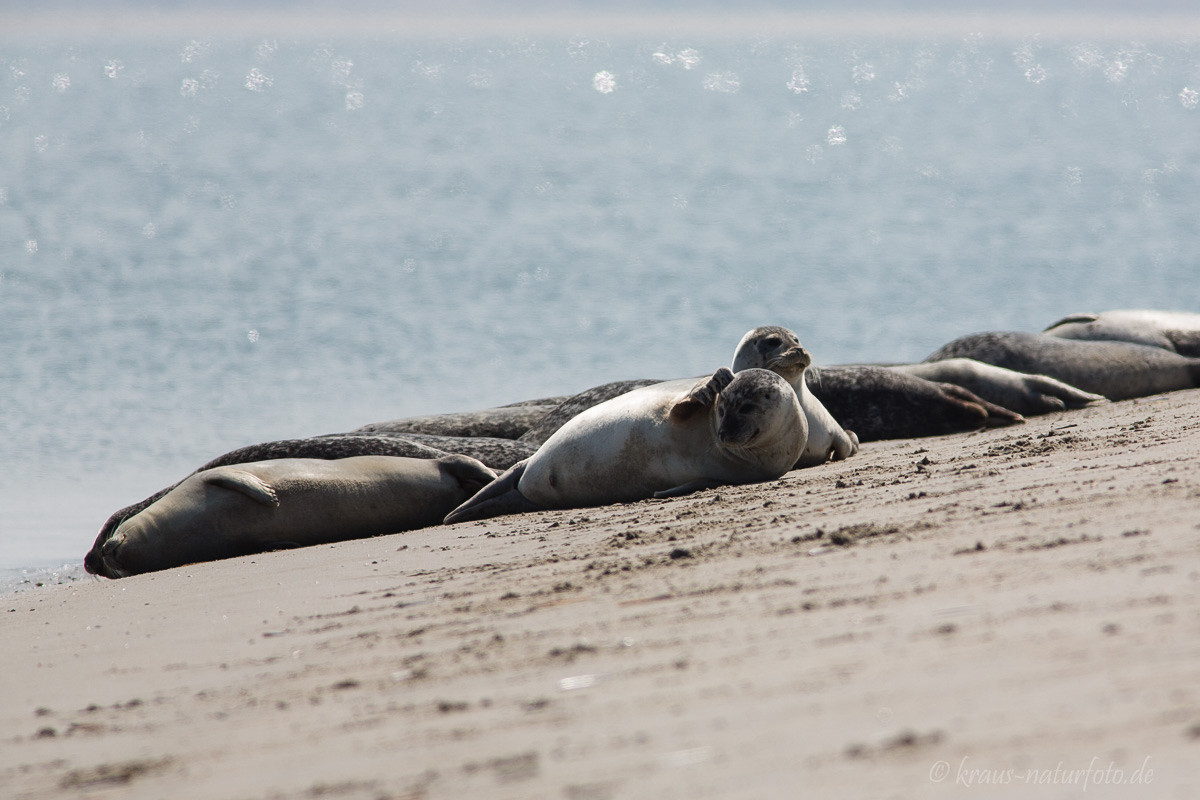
1008	613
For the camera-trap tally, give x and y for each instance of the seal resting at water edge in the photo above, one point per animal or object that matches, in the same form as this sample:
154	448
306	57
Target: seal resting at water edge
663	440
332	446
292	502
778	349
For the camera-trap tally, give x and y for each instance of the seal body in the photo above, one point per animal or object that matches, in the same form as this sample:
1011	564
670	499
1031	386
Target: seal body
1177	331
333	446
266	505
883	403
1018	391
660	440
778	349
504	422
1117	370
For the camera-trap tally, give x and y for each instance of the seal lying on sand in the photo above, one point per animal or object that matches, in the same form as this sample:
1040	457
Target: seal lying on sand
293	502
661	440
884	403
778	349
1177	331
334	446
1117	370
1016	391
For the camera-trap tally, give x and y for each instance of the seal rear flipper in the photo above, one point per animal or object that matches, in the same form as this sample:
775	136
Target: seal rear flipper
472	475
499	497
991	414
250	485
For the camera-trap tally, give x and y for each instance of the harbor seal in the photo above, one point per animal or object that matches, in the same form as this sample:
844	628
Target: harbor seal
1117	370
882	403
503	422
334	446
249	508
778	349
1177	331
1017	391
496	453
574	405
662	440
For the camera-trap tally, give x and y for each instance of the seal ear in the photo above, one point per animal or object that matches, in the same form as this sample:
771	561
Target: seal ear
702	395
238	480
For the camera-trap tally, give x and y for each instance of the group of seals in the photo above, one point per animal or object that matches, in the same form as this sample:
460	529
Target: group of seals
635	439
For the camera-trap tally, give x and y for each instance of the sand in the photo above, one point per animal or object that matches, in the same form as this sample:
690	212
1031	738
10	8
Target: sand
1007	613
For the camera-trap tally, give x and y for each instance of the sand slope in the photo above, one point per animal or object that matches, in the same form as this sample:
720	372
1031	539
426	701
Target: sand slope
1011	613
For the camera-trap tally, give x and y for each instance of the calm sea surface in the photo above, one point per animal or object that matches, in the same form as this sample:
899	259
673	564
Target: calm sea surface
207	243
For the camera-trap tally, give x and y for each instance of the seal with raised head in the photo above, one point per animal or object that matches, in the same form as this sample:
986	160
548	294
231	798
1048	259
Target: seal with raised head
1115	369
778	349
1177	331
662	440
294	502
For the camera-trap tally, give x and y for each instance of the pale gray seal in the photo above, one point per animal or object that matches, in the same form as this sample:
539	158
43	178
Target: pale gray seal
1177	331
1117	370
661	440
572	406
293	502
778	349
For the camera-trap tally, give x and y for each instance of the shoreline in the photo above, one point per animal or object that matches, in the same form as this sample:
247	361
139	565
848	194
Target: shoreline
923	618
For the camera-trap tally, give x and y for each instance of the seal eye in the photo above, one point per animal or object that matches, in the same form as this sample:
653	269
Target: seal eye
773	341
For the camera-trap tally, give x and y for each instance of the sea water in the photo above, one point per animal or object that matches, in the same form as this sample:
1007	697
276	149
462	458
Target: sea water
209	242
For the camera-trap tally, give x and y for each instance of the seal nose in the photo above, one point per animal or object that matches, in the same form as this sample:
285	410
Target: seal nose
793	357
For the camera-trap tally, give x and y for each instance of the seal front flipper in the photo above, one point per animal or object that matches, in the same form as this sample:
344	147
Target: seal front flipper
689	488
499	497
250	485
702	395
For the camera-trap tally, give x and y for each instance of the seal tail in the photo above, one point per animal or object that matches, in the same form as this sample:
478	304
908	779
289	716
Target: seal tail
499	497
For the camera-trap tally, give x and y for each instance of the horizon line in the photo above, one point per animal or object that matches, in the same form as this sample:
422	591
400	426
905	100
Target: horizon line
163	23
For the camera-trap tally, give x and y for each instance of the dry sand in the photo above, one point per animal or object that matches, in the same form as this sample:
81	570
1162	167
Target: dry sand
1009	613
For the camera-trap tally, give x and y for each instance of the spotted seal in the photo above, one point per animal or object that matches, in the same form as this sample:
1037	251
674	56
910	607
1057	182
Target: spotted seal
661	440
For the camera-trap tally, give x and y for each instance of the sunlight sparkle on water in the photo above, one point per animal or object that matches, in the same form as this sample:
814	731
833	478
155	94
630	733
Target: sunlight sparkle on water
725	82
61	82
1189	97
799	82
604	82
836	136
113	67
256	81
